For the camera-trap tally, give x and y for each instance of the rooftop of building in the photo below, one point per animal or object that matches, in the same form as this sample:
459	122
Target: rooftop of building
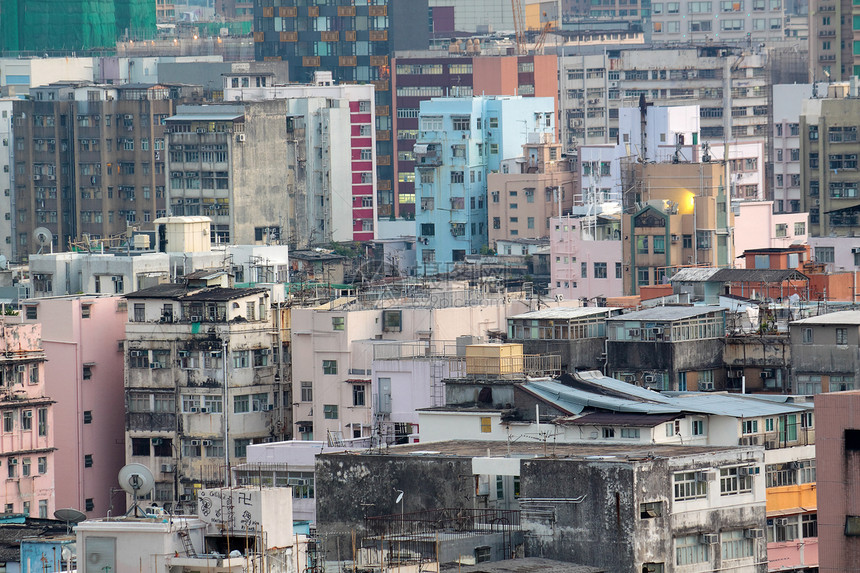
16	528
208	112
669	313
313	255
526	565
519	241
840	317
711	274
186	293
564	312
577	451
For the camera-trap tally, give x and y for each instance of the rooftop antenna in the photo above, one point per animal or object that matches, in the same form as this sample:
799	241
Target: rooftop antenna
70	516
137	480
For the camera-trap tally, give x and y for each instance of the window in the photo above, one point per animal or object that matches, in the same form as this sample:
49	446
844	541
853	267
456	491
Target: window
88	416
777	475
841	336
642	245
807	335
12	467
26	419
25	467
486	424
330	411
630	433
261	357
698	427
825	254
735	480
809	525
240	359
329	367
140	446
307	391
88	460
42	421
688	485
600	270
89	504
749	426
260	402
618	271
736	545
800	228
240	447
650	509
358	391
42	464
337	323
688	550
241	404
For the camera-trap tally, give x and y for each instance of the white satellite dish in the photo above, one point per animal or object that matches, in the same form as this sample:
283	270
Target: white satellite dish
137	480
70	516
43	237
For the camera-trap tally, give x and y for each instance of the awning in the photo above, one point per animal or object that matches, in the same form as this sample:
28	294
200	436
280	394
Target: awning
420	148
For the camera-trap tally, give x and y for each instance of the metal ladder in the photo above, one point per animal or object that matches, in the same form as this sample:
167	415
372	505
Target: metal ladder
187	546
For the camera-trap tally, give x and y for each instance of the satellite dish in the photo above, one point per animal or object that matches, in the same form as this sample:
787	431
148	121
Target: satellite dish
137	480
70	516
43	237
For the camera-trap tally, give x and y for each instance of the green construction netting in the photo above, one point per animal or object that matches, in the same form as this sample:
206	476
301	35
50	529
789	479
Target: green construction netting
73	24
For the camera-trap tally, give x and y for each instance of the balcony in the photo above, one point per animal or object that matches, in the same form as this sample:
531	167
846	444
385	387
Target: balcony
427	155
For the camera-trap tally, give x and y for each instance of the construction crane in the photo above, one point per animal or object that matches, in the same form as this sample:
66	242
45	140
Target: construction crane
519	27
542	37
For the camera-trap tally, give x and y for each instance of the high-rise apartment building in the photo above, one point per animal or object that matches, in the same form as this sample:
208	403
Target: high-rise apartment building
355	41
7	173
832	53
229	162
330	126
461	140
829	148
419	76
729	84
89	160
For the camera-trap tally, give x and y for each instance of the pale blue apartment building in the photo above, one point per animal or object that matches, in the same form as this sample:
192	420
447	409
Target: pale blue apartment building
460	141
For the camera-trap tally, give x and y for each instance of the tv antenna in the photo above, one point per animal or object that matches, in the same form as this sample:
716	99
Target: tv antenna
43	237
70	516
137	480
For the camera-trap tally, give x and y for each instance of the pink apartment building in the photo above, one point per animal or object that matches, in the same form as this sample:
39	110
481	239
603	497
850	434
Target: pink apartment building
758	227
585	256
837	459
81	337
28	455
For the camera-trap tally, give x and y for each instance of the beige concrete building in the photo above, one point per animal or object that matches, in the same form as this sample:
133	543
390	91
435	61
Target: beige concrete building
831	40
528	191
829	146
681	216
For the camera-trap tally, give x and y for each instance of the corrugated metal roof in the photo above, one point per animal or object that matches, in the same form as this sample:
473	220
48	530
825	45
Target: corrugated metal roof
694	275
710	274
565	312
735	405
575	401
616	419
659	313
757	275
597	378
841	317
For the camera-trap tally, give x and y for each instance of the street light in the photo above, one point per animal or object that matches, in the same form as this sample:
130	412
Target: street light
402	521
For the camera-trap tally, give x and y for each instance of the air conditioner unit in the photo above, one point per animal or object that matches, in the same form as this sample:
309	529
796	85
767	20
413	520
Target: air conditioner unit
706	386
154	365
128	116
708	538
630	379
770	445
114	278
195	319
855	250
649	379
39	142
135	353
193	409
754	533
240	138
166	468
205	442
781	522
745	471
767	373
657	330
52	177
676	238
613	84
269	407
184	498
204	410
195	442
484	488
156	441
635	332
183	353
